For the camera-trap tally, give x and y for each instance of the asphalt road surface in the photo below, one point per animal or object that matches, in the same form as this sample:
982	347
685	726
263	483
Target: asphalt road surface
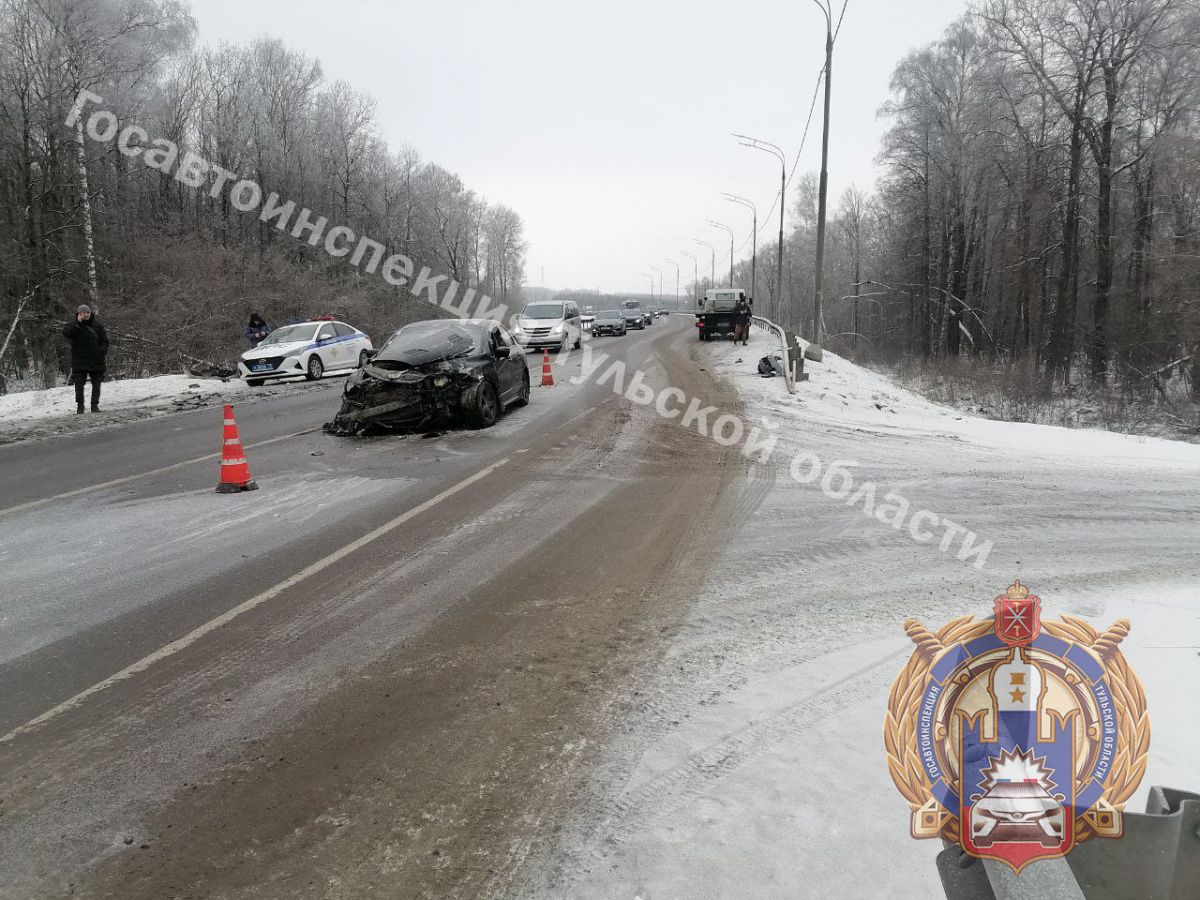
586	653
380	669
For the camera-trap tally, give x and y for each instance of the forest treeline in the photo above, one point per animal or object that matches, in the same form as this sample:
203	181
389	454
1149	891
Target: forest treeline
1040	204
178	269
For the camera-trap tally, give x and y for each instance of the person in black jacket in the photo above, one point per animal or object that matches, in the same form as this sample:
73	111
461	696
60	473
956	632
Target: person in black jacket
257	330
89	348
742	315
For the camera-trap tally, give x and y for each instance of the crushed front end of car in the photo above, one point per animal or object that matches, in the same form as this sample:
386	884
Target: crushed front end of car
387	397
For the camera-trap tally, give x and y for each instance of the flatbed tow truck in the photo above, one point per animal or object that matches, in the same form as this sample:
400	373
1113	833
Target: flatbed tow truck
715	317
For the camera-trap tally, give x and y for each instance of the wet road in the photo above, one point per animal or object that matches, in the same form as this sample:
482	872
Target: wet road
380	669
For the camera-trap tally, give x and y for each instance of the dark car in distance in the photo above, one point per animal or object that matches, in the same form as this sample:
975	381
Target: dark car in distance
444	370
609	321
634	318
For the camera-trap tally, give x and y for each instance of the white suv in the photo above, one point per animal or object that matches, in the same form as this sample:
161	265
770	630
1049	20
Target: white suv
549	324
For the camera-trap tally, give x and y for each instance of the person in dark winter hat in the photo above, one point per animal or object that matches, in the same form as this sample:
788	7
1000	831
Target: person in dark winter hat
89	350
257	330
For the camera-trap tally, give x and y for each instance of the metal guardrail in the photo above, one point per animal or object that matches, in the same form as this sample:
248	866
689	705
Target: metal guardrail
791	350
1157	858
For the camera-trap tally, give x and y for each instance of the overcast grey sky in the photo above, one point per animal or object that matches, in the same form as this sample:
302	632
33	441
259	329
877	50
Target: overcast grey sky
606	125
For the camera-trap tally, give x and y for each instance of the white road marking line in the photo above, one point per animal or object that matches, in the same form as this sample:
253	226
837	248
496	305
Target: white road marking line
33	504
587	411
228	616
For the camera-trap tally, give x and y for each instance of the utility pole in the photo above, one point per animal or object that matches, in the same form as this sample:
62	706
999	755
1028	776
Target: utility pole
695	270
734	198
824	189
651	277
767	147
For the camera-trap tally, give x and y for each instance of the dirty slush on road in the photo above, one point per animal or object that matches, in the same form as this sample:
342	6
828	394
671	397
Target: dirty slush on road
465	750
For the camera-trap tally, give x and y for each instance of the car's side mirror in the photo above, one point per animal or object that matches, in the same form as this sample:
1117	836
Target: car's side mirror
503	352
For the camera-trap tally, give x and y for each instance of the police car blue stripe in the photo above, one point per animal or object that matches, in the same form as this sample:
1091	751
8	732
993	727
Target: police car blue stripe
327	342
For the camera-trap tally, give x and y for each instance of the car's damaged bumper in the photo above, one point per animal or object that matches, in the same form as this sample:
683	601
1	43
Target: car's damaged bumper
383	400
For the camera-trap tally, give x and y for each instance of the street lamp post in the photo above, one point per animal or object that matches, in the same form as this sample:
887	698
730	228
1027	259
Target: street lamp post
734	198
726	228
712	268
766	147
676	265
695	269
660	290
651	277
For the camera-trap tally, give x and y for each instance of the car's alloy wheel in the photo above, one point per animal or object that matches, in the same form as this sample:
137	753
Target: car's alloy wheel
523	396
363	357
486	406
315	368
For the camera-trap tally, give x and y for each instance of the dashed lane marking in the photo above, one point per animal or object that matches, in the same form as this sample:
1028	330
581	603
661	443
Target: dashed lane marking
258	600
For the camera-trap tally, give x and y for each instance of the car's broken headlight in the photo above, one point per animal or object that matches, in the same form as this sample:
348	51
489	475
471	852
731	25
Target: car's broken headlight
441	380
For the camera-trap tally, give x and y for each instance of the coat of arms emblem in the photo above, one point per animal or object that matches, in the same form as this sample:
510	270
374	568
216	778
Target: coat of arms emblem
1017	738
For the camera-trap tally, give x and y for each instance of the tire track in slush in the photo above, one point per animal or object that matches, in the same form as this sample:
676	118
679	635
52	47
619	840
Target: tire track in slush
630	813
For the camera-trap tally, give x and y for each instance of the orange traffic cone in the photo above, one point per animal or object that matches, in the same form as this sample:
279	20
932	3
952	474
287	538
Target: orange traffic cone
547	373
235	471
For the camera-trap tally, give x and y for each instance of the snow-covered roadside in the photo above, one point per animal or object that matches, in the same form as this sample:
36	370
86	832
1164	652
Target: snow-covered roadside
32	414
842	393
755	766
145	393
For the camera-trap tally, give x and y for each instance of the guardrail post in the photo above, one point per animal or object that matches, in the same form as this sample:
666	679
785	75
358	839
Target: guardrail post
795	359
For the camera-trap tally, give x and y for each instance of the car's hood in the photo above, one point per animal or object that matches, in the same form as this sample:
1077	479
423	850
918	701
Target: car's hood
525	323
282	349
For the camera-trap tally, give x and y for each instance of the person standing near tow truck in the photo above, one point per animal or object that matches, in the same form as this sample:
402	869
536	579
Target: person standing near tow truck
742	314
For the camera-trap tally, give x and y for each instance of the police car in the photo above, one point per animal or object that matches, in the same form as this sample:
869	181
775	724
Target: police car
305	348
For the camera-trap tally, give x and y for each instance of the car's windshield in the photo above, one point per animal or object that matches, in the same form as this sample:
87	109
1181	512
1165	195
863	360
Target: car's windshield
609	314
428	341
543	311
289	333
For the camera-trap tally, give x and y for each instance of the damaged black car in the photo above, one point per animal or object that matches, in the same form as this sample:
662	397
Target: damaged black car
443	371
